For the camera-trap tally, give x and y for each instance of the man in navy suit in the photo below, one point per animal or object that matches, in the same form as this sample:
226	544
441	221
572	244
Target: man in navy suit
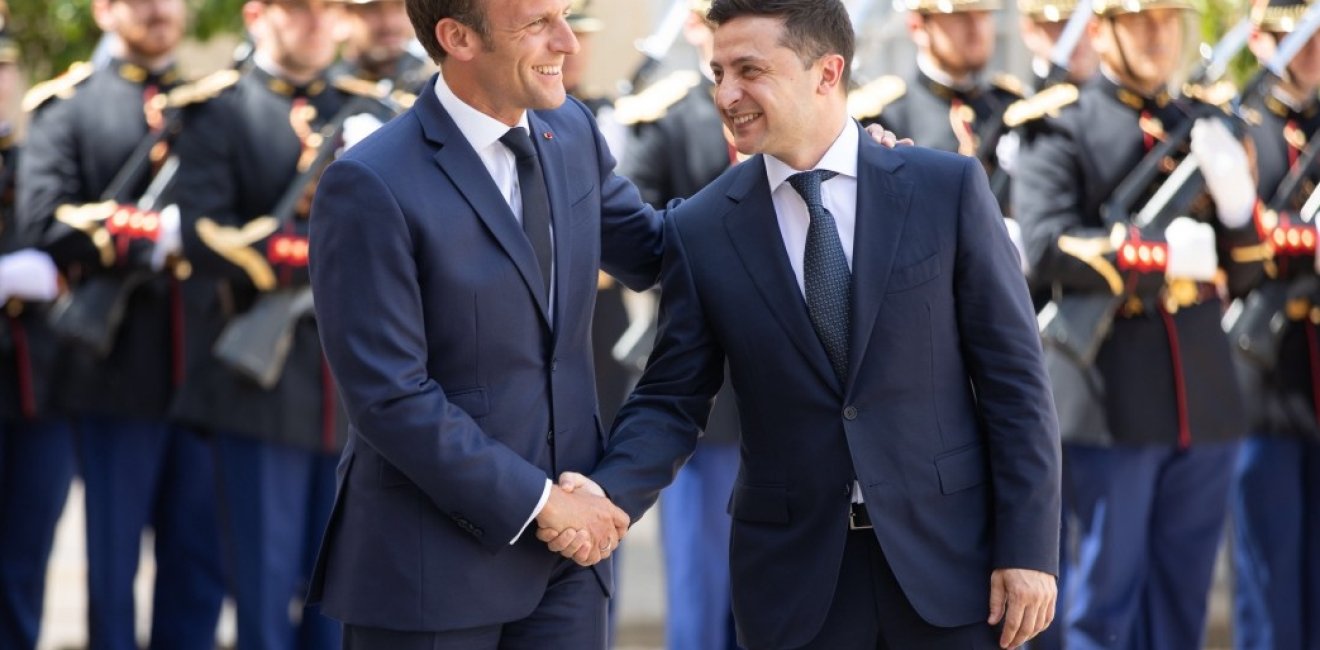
899	485
454	258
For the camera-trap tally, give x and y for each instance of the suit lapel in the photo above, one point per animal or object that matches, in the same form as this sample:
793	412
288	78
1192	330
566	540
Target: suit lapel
754	233
552	164
882	211
468	174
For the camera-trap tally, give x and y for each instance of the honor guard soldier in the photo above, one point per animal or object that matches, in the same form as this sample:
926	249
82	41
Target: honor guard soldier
678	146
1142	373
948	102
257	378
1041	23
93	146
1276	517
36	444
377	45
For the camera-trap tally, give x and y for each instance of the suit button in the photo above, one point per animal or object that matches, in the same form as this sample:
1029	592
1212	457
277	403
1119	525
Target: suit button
554	365
850	413
550	436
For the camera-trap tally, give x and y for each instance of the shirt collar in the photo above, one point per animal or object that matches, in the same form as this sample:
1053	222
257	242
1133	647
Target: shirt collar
841	158
480	129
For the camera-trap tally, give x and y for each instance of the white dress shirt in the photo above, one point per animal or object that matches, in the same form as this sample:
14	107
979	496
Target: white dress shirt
483	132
839	195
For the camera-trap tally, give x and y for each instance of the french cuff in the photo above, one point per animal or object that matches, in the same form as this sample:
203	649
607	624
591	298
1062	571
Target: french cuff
545	496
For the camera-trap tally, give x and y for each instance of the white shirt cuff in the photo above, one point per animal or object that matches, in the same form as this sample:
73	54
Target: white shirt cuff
545	496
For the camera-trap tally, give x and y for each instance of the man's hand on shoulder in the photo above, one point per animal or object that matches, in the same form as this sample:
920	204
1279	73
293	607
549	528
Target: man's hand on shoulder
579	522
1023	600
887	138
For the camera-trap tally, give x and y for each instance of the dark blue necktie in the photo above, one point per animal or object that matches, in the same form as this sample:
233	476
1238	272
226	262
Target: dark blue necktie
535	199
825	272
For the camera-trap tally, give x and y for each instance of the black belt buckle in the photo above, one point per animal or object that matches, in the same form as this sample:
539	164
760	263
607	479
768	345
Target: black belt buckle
859	518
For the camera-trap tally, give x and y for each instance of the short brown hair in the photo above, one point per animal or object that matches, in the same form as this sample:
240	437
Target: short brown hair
812	28
425	14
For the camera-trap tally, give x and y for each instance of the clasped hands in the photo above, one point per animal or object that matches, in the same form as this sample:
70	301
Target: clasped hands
580	522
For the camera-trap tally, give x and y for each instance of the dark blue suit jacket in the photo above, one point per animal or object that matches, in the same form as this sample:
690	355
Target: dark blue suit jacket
463	399
946	418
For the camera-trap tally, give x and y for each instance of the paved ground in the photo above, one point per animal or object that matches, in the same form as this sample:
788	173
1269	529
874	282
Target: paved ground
641	603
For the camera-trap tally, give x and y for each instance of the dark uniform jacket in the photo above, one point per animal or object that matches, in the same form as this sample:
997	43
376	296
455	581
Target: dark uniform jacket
28	350
673	155
229	186
1282	399
1159	377
409	72
84	128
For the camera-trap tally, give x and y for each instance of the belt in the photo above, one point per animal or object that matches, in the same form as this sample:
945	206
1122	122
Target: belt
859	518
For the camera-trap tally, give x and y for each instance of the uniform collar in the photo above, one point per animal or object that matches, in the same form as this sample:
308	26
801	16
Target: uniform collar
285	88
941	85
1131	98
1283	106
136	74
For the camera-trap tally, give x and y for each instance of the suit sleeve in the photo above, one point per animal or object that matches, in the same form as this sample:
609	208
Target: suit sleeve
1003	355
369	310
647	163
657	428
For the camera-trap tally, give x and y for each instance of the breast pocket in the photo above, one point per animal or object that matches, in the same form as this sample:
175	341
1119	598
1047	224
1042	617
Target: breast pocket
914	275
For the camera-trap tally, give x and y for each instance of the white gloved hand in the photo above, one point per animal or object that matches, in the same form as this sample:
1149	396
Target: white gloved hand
169	239
28	275
1015	235
1192	252
1223	163
358	127
1006	151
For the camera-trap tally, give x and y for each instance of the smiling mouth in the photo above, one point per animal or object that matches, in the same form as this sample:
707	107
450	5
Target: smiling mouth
548	70
746	118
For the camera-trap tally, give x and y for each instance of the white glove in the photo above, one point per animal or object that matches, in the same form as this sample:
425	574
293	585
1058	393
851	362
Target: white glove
28	275
358	127
1006	151
169	240
1223	163
1015	235
1191	250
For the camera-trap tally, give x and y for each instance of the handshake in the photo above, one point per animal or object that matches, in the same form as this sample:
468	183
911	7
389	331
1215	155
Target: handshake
580	522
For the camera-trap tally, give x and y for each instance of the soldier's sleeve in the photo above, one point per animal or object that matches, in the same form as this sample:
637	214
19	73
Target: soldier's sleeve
646	163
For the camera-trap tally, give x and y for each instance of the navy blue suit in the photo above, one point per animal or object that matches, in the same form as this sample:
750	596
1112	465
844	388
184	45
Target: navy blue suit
945	419
464	394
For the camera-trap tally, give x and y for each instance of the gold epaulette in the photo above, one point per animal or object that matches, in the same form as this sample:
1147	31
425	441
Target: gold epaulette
654	102
1045	102
204	89
1009	84
403	98
360	87
1220	93
62	86
870	100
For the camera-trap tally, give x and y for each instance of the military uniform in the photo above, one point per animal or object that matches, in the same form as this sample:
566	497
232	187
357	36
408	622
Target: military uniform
1276	522
278	442
36	444
678	147
139	470
1148	426
408	73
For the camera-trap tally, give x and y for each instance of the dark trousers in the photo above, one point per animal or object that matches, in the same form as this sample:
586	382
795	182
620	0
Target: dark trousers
1276	545
1149	519
36	466
141	473
571	615
276	501
871	612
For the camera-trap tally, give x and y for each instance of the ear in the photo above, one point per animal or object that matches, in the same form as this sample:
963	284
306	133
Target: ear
916	27
831	74
252	13
457	40
105	20
1261	44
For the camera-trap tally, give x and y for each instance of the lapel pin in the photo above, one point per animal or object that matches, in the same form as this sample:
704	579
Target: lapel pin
548	135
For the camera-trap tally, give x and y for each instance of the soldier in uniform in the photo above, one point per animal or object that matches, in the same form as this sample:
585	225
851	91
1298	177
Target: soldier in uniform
1150	421
376	45
139	470
678	146
1276	516
36	444
244	197
948	102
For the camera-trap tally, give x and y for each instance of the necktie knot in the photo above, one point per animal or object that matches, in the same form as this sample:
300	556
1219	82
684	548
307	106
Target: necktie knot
808	183
519	142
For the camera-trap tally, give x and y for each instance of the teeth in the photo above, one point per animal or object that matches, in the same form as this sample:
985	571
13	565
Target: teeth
743	119
546	69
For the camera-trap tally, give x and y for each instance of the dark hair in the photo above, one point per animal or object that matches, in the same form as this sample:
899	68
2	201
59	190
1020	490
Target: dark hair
812	28
424	15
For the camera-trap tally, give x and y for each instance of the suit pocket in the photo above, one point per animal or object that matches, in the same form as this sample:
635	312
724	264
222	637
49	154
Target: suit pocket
763	504
961	469
914	275
473	401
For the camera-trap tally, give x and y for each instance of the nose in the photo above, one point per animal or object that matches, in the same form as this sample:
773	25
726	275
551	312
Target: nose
727	94
565	41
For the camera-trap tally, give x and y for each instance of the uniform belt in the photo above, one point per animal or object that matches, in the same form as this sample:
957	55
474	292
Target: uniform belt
1175	296
858	517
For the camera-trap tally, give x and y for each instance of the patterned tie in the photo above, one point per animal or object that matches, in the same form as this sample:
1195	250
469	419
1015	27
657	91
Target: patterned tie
825	272
535	199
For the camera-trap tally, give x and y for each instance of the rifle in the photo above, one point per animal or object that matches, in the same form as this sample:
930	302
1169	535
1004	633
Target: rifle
1081	322
92	313
256	343
655	48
